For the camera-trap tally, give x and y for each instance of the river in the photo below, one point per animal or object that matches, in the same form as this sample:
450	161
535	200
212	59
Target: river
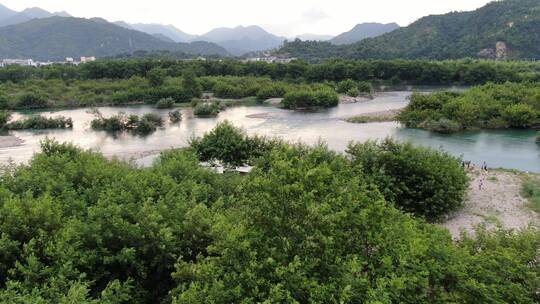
511	149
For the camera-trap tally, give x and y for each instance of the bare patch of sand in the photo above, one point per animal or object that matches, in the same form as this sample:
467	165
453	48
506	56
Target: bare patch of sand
259	115
10	141
389	115
350	99
498	204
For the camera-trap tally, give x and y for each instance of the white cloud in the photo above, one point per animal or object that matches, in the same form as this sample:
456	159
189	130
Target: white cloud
285	17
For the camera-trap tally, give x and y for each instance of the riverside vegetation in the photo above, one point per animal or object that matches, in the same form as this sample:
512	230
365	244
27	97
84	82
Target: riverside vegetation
34	122
149	81
307	225
121	122
492	106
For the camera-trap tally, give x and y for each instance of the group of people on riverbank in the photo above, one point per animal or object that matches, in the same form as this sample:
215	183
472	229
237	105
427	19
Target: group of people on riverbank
469	166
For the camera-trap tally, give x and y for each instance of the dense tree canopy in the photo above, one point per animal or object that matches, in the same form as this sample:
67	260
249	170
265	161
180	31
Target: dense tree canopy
306	226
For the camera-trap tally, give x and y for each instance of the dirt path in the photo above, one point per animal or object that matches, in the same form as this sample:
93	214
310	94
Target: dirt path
498	203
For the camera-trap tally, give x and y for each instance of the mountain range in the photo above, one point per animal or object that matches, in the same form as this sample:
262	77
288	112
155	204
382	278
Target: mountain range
362	31
504	29
10	17
236	41
56	38
507	29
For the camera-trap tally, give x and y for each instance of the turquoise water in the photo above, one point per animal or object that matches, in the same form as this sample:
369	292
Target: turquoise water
512	149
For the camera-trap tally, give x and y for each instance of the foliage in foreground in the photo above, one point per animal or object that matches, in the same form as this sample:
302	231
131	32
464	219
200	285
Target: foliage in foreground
304	227
492	106
419	180
230	145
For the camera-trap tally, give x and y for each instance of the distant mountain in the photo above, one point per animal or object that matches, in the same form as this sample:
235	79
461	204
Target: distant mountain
27	15
55	38
241	40
6	12
163	38
165	30
507	29
123	24
314	37
363	31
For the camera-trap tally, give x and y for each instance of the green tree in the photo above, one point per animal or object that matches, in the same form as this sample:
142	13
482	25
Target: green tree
520	115
156	77
190	84
418	180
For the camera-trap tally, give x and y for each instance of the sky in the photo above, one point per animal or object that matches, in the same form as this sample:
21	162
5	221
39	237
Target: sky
281	17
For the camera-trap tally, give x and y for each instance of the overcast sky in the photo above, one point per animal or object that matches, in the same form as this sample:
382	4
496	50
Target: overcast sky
283	17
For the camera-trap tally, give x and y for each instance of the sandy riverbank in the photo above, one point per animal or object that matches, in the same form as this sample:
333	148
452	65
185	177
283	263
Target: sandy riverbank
498	204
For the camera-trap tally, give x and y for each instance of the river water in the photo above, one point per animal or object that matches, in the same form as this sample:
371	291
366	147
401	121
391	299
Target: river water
512	149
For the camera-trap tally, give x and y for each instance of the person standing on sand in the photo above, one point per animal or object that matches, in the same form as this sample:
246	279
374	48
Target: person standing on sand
481	184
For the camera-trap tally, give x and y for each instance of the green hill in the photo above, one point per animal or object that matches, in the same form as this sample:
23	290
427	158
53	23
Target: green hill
56	38
508	29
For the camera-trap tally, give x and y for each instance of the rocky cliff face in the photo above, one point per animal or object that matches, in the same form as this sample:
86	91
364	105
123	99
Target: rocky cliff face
499	52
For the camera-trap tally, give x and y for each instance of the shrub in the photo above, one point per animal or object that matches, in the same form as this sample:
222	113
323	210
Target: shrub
496	123
365	87
111	124
5	116
4	102
175	116
191	85
354	92
165	103
39	122
298	99
442	125
520	115
207	109
223	90
32	101
230	145
272	91
422	181
488	106
156	77
324	98
346	85
120	122
148	123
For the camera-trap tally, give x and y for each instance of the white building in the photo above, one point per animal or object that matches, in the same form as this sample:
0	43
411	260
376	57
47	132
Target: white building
22	62
88	59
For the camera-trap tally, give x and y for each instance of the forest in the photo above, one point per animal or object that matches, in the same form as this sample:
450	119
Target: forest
514	25
150	81
307	225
